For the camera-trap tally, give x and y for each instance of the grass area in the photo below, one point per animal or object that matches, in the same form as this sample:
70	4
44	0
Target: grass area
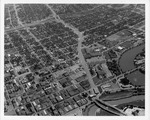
115	96
139	103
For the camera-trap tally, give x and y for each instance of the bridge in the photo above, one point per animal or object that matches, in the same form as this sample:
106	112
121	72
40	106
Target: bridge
108	107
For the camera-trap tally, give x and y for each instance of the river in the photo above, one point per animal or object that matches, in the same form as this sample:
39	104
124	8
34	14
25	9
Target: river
91	110
126	61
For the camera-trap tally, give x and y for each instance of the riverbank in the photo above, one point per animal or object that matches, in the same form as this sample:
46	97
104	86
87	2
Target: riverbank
126	61
92	108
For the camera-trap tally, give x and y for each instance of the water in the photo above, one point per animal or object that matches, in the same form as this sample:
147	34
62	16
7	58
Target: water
126	61
91	110
137	78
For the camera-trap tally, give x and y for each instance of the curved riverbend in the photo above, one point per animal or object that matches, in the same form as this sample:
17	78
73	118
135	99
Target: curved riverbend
126	61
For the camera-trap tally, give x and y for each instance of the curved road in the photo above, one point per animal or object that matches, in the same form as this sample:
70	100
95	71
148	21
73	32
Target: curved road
91	109
108	107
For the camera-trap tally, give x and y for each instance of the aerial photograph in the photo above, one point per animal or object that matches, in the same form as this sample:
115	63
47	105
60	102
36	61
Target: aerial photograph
74	59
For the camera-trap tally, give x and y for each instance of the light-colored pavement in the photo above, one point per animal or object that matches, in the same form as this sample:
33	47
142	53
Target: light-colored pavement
80	39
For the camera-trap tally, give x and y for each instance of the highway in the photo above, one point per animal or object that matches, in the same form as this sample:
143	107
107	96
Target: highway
108	107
